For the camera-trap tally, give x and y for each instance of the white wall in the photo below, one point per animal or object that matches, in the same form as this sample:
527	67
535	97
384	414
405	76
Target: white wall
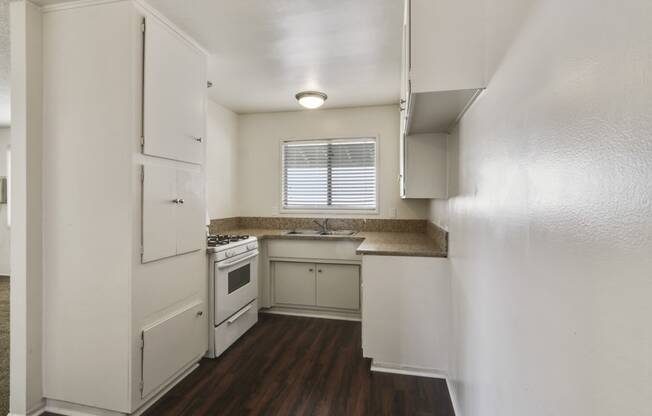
5	139
550	220
221	161
259	166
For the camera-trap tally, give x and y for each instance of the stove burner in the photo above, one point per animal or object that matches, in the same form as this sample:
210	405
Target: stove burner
224	239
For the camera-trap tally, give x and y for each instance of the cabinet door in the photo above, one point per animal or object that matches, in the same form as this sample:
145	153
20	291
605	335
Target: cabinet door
338	286
159	212
190	218
426	170
294	283
174	95
171	345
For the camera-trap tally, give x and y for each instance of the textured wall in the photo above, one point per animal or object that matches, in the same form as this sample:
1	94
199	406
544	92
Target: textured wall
551	216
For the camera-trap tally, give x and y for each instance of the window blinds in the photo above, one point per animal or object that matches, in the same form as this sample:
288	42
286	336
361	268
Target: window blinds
330	174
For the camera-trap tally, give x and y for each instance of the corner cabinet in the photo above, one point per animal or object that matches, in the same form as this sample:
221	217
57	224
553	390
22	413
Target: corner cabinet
124	296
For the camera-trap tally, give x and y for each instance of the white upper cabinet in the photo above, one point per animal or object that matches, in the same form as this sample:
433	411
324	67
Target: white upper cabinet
425	173
173	212
443	66
174	95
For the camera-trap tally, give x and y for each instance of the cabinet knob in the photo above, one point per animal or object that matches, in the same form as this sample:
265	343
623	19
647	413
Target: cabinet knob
198	139
200	313
175	200
181	201
319	271
311	270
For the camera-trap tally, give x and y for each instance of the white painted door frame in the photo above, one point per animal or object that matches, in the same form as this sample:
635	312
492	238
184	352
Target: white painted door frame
26	236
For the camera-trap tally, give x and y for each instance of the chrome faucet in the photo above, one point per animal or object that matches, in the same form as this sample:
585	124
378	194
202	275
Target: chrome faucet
323	226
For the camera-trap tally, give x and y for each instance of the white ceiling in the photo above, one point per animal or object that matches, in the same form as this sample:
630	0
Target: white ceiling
5	113
265	51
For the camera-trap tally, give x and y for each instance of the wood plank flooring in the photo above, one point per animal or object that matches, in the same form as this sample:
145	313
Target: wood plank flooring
300	366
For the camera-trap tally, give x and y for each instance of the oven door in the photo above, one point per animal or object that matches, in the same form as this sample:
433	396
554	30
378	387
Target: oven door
236	284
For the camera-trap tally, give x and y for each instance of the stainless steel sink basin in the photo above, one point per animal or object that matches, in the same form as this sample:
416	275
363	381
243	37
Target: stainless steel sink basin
319	232
303	232
342	232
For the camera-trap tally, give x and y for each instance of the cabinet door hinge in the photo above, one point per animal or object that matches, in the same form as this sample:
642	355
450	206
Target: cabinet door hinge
142	174
142	26
142	141
141	384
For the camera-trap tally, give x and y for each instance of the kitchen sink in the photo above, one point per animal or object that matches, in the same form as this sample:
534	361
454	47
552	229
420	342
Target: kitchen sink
304	232
319	232
342	232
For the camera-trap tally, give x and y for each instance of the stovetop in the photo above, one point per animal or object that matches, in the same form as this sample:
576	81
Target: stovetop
224	239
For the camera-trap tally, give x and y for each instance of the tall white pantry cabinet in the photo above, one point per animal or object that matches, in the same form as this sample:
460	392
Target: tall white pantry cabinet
123	188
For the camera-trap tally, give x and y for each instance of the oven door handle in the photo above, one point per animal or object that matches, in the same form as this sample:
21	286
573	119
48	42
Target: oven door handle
231	263
238	315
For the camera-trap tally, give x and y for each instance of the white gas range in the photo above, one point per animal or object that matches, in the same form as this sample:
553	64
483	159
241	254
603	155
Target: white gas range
233	289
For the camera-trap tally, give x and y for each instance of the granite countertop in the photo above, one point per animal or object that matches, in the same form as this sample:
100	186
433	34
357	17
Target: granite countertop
371	243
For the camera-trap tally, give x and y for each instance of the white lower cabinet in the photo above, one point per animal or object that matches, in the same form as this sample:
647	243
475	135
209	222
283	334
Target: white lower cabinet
338	286
405	313
321	285
171	344
294	283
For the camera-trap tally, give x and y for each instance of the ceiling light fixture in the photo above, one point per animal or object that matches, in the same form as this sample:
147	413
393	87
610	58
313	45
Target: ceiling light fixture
311	99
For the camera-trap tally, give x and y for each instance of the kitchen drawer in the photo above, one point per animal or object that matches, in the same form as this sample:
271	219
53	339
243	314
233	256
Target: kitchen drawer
312	249
231	329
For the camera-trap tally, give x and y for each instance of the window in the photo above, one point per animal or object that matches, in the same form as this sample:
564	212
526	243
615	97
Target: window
332	174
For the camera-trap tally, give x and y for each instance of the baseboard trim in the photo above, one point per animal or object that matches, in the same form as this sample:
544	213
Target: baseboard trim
34	411
407	370
311	314
453	396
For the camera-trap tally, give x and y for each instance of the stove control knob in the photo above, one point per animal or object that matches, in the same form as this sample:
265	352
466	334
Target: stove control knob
251	246
228	253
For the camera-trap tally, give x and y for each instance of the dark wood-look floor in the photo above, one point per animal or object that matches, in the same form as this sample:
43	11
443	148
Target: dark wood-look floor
300	366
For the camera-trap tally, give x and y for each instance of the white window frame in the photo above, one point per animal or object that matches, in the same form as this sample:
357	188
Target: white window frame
329	211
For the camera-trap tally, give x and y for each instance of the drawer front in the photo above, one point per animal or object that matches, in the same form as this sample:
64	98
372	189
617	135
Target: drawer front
310	249
172	344
233	328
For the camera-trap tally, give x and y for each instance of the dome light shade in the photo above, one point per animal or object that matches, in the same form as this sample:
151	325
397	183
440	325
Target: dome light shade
311	99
